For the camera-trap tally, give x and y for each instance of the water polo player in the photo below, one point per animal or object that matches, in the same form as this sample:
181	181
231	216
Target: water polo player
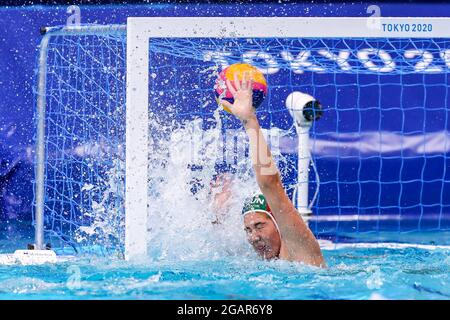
274	227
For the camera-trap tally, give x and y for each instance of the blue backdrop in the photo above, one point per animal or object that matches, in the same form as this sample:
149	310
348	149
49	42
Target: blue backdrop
19	39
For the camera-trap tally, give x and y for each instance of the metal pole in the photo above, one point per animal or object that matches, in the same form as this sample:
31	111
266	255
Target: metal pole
40	145
84	29
304	158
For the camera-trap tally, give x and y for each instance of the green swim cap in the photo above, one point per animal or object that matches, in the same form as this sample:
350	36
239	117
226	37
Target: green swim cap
256	203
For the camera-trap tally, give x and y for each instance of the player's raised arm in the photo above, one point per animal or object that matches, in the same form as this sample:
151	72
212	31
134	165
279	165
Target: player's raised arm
298	242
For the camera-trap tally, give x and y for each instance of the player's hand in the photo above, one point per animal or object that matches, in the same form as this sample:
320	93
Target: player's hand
222	194
242	92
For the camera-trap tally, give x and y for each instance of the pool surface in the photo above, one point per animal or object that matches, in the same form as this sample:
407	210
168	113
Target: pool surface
396	271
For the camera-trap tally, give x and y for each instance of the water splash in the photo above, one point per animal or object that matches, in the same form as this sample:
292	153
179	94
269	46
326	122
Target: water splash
181	215
108	221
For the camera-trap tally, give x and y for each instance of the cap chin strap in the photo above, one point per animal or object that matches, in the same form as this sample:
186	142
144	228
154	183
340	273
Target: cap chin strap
266	212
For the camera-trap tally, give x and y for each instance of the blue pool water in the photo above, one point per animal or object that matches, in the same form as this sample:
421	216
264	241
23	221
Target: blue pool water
386	272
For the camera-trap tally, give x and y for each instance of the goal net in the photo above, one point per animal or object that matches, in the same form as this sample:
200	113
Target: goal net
122	106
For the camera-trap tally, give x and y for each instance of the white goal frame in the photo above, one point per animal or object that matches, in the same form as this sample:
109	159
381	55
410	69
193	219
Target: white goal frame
140	30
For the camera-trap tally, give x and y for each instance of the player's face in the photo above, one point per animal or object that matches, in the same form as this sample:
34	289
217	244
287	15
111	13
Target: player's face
262	235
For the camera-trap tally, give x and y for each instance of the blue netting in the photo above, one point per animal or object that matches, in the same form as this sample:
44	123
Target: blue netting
84	140
382	145
381	148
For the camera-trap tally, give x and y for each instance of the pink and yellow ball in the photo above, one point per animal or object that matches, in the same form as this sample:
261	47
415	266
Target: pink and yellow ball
259	83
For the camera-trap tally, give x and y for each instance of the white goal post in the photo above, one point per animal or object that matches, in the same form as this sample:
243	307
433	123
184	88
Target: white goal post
141	30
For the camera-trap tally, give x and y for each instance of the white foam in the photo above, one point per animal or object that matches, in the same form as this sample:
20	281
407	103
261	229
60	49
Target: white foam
180	222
